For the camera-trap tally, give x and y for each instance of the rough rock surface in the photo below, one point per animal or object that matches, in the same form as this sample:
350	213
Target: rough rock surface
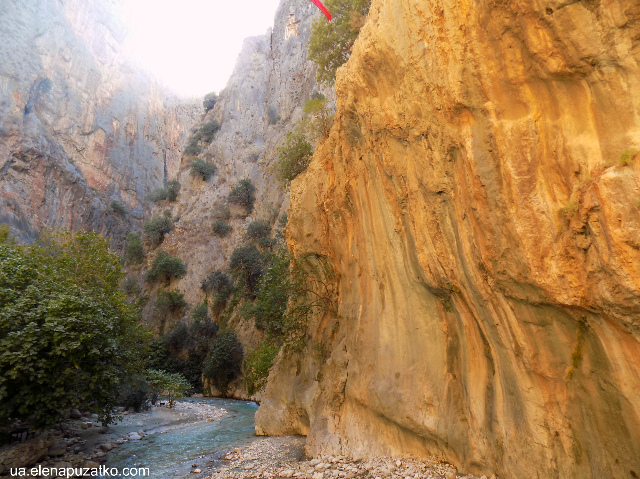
80	127
474	201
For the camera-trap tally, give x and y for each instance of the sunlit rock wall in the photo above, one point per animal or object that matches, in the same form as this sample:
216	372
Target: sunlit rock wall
476	204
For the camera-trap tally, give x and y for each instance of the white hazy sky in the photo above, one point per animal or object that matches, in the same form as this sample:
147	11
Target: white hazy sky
192	45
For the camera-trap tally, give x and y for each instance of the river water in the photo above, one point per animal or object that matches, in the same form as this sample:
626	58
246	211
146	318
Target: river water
170	450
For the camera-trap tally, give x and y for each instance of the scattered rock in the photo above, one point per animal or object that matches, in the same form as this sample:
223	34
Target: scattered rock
75	414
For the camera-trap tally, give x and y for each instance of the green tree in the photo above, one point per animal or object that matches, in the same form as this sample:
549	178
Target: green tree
293	157
156	228
317	119
202	168
165	267
68	337
170	302
246	265
224	363
210	100
257	364
172	385
330	43
243	194
221	228
134	250
173	188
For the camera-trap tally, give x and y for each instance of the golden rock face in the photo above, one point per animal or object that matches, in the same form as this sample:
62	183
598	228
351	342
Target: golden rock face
478	199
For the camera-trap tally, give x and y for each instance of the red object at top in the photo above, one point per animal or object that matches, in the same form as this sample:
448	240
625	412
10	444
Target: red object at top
322	8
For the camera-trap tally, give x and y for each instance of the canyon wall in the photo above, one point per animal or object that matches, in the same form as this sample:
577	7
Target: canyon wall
80	126
479	202
262	101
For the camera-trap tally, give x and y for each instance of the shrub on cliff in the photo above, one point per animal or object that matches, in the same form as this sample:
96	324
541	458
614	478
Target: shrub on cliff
293	157
330	43
165	267
118	208
219	283
210	100
169	192
225	361
257	364
68	337
243	194
156	228
134	250
221	228
258	230
246	264
170	302
202	168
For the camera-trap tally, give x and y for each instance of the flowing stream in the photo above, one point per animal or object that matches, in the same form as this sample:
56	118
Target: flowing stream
172	448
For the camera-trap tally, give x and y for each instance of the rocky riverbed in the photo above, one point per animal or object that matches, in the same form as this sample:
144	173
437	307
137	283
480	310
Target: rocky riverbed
284	457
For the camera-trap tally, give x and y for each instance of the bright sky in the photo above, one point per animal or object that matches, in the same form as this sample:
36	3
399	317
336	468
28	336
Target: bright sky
192	45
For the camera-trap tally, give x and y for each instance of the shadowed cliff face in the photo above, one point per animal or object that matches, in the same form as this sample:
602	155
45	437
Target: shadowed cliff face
486	241
79	126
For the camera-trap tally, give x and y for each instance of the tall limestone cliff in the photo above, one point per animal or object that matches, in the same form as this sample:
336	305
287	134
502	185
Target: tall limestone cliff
80	126
478	199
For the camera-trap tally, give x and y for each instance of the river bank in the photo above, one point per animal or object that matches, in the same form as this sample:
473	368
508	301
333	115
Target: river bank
283	457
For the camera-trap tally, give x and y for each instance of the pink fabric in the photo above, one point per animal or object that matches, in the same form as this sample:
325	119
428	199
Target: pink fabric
322	8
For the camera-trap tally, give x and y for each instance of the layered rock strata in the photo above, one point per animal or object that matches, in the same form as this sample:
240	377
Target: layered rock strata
478	199
80	126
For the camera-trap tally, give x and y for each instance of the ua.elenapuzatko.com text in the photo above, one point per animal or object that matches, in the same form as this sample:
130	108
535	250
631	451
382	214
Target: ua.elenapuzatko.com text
102	471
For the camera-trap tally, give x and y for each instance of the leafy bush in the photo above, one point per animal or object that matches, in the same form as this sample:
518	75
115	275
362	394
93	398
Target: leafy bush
135	394
246	264
219	283
192	149
258	230
118	208
172	385
210	100
134	251
165	267
158	194
170	302
221	228
317	119
173	188
207	131
293	157
202	168
200	312
257	364
244	194
330	43
68	337
225	361
627	157
157	228
131	286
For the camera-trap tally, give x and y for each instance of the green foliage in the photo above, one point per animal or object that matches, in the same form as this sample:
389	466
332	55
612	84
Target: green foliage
118	208
258	230
135	394
202	168
569	210
156	228
68	337
257	363
200	312
221	228
183	350
165	268
5	233
317	119
134	250
627	157
131	286
170	302
210	100
169	192
173	188
172	385
219	283
202	136
244	194
225	361
246	264
330	43
293	157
